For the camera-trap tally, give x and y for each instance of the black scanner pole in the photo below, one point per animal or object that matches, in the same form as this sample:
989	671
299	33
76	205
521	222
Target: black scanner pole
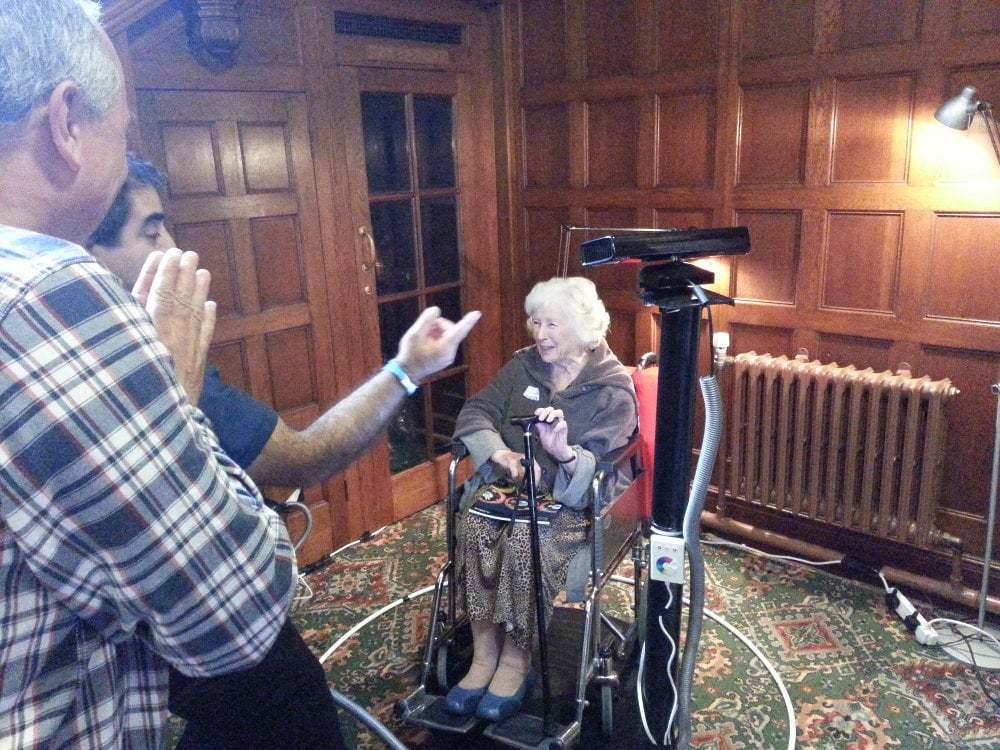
676	288
671	470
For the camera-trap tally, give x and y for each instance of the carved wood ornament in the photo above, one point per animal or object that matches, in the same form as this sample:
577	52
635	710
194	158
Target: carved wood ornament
214	31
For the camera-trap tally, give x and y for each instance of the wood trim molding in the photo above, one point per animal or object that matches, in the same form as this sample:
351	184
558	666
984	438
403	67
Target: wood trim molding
118	15
213	27
214	32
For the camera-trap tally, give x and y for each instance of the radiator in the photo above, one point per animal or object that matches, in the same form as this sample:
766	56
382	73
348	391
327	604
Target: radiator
858	449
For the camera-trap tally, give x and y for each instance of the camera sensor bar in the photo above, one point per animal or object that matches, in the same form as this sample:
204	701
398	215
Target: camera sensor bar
666	245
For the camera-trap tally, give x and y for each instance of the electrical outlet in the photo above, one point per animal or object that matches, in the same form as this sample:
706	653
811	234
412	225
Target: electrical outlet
666	558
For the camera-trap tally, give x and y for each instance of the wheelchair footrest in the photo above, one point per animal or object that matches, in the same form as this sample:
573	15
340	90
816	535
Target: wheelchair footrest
527	732
429	711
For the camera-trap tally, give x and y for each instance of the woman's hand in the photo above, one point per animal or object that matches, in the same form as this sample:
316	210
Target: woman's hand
510	463
553	433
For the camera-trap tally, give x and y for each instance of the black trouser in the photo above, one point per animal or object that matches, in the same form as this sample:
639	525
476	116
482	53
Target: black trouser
282	702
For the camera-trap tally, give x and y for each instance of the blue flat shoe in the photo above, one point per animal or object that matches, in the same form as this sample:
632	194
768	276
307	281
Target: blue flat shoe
494	708
462	701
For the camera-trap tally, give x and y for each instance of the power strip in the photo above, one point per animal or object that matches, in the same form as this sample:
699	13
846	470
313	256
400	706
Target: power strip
915	622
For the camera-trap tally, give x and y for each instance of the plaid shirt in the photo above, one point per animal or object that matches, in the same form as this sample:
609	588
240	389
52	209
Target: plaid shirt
128	540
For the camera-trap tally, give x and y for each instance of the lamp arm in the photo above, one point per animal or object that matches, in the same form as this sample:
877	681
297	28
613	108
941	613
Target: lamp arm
991	520
991	127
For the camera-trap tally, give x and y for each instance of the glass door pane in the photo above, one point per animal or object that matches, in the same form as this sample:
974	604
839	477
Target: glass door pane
413	203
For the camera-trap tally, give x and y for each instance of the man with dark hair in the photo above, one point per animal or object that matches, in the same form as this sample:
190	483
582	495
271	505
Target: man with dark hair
141	175
272	452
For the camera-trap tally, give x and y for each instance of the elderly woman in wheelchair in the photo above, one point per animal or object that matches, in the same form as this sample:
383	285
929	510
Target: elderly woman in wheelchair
585	403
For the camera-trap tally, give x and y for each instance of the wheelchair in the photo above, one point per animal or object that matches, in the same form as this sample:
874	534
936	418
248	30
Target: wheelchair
606	647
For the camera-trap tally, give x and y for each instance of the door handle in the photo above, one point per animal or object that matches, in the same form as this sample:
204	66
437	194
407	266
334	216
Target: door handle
373	263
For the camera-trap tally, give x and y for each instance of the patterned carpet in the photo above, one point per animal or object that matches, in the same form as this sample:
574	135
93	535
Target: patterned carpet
857	679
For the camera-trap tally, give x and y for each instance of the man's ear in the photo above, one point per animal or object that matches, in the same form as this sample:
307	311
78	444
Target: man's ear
64	115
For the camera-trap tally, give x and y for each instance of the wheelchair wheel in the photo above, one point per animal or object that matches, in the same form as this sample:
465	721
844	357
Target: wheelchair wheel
607	710
453	658
441	668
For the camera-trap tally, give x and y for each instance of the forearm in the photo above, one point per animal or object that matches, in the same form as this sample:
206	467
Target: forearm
332	442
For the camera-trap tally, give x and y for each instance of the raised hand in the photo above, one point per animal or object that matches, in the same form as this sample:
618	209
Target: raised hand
174	292
431	343
553	433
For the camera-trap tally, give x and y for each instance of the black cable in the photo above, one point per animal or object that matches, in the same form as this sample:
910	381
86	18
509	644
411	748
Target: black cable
978	672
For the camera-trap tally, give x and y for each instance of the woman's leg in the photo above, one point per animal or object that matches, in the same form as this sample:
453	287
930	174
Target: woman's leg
515	663
486	639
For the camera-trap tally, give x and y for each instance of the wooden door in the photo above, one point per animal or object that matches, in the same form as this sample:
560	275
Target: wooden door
242	193
415	213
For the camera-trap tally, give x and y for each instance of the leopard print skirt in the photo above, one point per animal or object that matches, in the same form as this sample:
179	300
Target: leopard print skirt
497	573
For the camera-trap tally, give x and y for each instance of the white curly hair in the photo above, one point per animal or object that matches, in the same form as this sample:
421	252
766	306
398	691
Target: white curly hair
576	296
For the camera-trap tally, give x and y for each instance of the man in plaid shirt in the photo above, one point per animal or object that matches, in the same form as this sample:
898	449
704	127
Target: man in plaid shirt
128	540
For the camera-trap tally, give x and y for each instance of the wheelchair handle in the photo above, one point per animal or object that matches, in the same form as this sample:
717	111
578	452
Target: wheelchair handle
524	421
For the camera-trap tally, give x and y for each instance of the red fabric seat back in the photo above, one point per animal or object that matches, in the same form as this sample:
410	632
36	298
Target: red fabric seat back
645	390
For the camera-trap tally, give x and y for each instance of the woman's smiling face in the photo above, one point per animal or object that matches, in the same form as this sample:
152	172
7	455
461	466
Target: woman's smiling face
555	339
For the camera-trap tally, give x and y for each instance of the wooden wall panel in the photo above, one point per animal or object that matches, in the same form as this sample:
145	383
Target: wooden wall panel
215	248
970	431
860	351
612	137
965	256
769	273
231	361
688	33
191	159
544	41
761	339
277	253
870	22
772	132
542	228
292	367
872	131
772	28
265	159
977	17
612	34
546	131
672	218
869	241
687	139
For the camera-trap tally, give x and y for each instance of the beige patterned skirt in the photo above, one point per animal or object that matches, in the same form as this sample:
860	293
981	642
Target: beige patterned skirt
496	569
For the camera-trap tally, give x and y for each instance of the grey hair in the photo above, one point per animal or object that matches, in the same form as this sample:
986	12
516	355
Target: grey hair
577	296
46	42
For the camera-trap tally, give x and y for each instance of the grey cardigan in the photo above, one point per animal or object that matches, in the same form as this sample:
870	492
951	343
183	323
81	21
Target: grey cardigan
599	407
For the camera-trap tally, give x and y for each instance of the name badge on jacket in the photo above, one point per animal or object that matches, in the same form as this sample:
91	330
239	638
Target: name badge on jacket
531	393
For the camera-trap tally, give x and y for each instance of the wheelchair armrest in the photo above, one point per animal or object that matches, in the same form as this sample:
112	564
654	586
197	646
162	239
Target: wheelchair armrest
613	460
609	467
